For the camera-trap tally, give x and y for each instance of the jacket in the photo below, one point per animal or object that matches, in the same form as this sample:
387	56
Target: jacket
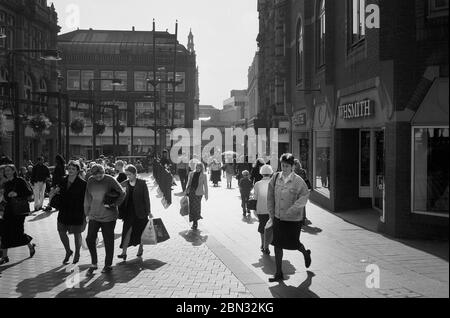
202	188
260	195
286	201
40	173
71	209
141	199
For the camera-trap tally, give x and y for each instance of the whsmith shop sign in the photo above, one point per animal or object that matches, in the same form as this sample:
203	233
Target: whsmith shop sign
362	109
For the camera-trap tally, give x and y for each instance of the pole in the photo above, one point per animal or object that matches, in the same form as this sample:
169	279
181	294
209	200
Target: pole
59	123
114	131
154	86
132	141
91	91
14	95
117	132
67	128
174	85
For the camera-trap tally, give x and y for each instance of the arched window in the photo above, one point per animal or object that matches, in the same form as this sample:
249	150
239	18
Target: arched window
321	35
299	51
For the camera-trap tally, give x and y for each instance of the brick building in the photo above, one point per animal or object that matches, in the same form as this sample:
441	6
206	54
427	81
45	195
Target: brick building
128	56
368	102
27	25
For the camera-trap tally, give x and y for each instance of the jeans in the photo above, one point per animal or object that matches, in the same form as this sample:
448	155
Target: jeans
39	194
108	240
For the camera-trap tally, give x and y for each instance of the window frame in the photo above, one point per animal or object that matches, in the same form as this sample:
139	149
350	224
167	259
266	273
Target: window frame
299	57
413	210
321	22
361	38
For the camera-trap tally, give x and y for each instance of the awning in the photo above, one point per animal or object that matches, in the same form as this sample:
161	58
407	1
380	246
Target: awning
434	109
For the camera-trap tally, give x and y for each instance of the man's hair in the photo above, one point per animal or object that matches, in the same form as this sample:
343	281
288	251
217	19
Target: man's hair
288	158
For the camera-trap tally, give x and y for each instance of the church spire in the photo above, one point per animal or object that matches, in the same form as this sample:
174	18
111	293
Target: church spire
190	45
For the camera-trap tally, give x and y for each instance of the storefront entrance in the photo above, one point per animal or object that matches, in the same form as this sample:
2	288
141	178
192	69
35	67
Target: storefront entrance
372	167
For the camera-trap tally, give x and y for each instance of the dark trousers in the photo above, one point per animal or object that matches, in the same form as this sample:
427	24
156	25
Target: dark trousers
108	239
183	178
245	197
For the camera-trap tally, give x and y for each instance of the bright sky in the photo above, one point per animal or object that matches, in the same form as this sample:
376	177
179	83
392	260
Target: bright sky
224	33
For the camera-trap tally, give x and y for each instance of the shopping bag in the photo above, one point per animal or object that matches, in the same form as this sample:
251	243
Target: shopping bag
148	237
161	233
251	204
184	209
268	233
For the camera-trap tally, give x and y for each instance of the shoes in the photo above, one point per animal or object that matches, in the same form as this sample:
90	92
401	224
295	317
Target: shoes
107	270
76	258
122	256
68	255
276	278
93	267
32	250
4	260
308	258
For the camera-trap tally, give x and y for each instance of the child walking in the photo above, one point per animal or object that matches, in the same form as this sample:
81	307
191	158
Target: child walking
245	187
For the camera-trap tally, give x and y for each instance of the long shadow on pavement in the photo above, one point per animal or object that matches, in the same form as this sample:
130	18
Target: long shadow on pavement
302	291
44	282
5	267
311	230
194	237
41	216
267	265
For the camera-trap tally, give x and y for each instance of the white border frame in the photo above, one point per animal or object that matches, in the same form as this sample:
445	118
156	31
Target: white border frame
412	172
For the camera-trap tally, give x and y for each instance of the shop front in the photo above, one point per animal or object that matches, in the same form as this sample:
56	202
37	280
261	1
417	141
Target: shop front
361	151
301	138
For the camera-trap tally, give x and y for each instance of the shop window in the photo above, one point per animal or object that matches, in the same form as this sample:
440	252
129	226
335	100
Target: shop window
106	82
122	75
144	113
322	152
430	173
86	76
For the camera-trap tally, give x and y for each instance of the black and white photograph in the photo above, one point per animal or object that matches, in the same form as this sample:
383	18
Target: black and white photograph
224	155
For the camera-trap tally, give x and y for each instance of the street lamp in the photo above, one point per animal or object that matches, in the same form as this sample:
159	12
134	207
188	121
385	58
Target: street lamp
115	82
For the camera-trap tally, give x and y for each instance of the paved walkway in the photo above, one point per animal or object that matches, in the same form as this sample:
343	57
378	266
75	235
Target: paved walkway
222	259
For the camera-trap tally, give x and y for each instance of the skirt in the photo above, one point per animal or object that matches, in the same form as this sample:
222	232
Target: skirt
216	176
71	229
13	232
137	227
263	219
286	235
195	207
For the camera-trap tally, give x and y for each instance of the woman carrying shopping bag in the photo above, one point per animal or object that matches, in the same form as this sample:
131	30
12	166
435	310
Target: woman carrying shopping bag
262	212
196	189
286	198
134	211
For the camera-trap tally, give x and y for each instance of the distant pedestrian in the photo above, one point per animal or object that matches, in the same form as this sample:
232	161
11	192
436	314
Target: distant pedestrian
262	211
256	176
39	177
216	172
121	176
286	197
230	171
134	211
16	194
103	196
197	188
57	177
245	187
71	216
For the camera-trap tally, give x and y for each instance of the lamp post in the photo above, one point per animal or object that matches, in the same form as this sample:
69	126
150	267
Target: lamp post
47	55
115	82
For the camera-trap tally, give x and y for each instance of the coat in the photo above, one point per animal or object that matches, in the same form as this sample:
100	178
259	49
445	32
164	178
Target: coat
202	188
71	209
141	199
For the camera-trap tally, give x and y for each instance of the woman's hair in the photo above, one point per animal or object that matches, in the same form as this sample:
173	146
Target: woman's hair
120	163
288	158
97	169
259	163
200	165
298	163
75	164
12	167
60	160
131	169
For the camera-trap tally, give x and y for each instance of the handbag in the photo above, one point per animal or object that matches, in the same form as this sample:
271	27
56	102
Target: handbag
184	209
161	233
148	236
252	203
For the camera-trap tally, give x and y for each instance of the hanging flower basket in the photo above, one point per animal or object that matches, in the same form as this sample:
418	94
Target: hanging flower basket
39	124
77	125
122	127
99	127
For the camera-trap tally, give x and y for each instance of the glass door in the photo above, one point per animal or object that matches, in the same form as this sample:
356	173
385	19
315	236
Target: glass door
378	196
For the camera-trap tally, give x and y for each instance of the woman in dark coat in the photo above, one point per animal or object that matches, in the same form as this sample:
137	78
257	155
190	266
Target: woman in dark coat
256	176
13	224
57	177
71	218
134	211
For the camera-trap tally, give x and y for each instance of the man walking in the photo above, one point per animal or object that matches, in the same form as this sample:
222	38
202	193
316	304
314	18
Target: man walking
39	176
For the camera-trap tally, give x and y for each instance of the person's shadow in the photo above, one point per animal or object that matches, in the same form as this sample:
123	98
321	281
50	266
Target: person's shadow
123	274
194	237
302	291
267	265
311	230
5	267
41	216
249	219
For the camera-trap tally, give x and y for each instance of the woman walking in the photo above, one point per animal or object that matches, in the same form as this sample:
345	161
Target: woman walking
262	212
287	196
103	196
216	168
57	178
71	217
134	211
230	171
256	175
16	194
196	189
